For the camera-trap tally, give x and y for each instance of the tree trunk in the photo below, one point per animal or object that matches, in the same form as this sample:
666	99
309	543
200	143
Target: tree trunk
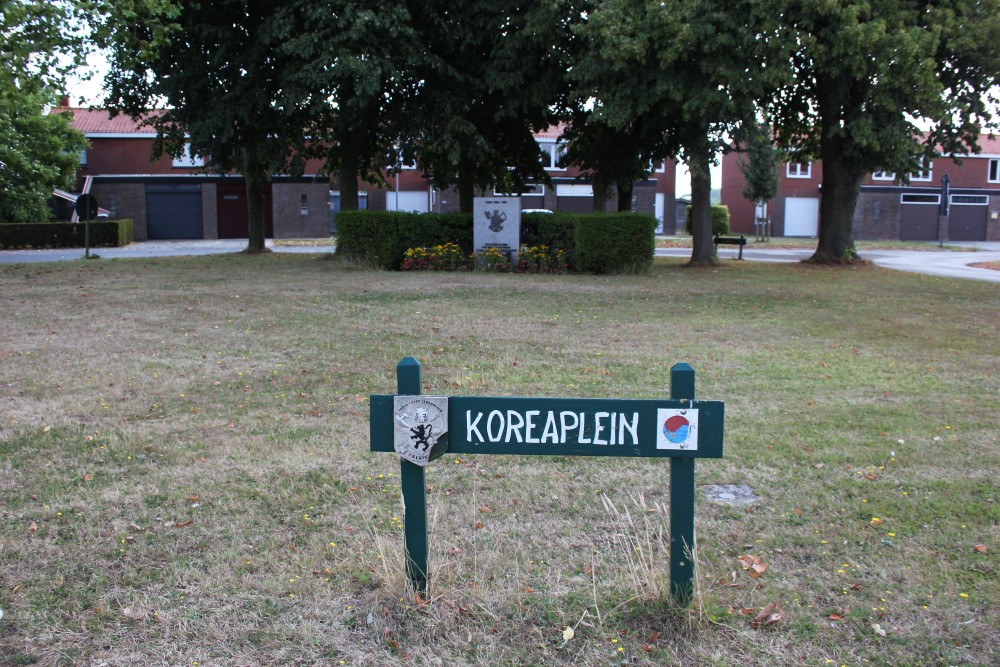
466	186
841	179
347	177
625	197
841	185
601	187
256	179
702	245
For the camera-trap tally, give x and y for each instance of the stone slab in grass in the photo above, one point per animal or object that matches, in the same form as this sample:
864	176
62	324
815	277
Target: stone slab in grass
729	494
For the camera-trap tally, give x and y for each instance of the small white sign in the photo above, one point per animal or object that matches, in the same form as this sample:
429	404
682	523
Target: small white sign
418	424
677	429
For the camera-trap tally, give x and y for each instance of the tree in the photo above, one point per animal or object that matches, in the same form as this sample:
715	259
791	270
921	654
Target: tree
38	151
694	67
358	72
760	164
868	74
609	155
222	75
494	72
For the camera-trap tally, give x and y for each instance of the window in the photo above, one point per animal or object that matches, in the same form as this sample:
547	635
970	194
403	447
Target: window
799	169
926	172
970	200
883	175
993	175
188	160
551	154
920	199
304	204
83	158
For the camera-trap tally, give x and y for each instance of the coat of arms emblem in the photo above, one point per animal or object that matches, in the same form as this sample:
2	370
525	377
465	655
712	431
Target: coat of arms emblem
420	423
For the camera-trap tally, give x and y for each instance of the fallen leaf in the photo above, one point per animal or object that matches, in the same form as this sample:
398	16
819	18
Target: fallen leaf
568	633
769	615
878	630
479	524
835	617
184	524
15	589
34	497
797	512
454	551
193	499
655	637
529	589
420	600
857	587
980	548
88	477
485	509
32	527
871	476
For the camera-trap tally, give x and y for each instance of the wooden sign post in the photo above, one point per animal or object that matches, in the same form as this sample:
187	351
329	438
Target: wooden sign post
421	428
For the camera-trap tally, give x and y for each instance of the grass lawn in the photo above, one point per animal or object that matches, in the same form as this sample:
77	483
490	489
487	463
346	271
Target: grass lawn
185	476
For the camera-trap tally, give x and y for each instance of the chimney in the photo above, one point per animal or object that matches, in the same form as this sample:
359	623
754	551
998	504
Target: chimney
64	101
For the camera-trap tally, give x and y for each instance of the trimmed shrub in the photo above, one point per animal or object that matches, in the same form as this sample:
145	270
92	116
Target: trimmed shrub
104	233
381	238
720	220
615	243
553	230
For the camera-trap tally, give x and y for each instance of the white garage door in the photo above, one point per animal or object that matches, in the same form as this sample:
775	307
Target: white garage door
411	201
801	216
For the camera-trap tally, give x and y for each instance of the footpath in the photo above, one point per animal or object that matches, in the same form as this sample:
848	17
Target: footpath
949	264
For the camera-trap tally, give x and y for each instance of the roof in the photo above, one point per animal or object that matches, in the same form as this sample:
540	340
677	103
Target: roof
99	121
551	132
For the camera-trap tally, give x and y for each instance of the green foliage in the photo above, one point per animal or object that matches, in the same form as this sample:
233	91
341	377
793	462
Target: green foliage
108	233
615	243
759	164
720	220
382	238
38	151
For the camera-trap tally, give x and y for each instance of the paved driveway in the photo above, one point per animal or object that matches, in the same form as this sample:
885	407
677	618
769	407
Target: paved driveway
947	264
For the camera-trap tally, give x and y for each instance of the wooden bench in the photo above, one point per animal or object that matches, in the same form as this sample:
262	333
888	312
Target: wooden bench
731	240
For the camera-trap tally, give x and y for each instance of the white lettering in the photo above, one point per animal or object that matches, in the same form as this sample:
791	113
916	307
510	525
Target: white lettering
551	432
513	428
531	414
489	426
598	427
632	428
614	422
579	437
565	427
473	427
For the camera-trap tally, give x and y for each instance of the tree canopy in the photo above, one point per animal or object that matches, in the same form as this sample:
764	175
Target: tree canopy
38	151
868	76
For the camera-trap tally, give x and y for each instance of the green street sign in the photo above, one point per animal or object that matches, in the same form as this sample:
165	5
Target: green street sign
422	428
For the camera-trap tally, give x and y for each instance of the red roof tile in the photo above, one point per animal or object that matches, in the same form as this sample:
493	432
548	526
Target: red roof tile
99	121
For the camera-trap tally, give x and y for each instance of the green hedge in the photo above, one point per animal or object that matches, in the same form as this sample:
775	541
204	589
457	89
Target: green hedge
104	233
720	220
594	242
381	237
615	243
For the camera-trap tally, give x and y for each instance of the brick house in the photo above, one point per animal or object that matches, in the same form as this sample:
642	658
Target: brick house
887	209
174	198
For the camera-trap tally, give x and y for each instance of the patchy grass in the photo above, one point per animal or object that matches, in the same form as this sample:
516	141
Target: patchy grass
185	475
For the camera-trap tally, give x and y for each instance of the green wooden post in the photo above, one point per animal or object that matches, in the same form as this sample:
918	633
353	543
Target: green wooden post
681	500
409	383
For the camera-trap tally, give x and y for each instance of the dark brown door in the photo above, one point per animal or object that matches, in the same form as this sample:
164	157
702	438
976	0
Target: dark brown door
233	212
967	221
918	222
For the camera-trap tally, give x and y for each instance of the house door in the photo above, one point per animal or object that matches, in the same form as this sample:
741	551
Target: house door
173	212
801	216
234	214
967	221
918	217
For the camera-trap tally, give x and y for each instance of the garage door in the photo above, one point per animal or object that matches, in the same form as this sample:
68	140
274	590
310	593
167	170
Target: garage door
575	198
918	217
967	221
801	216
173	212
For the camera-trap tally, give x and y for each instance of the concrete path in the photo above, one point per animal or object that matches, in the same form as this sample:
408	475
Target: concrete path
947	264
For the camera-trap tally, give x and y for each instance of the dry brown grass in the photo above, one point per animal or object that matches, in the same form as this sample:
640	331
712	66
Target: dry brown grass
188	440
